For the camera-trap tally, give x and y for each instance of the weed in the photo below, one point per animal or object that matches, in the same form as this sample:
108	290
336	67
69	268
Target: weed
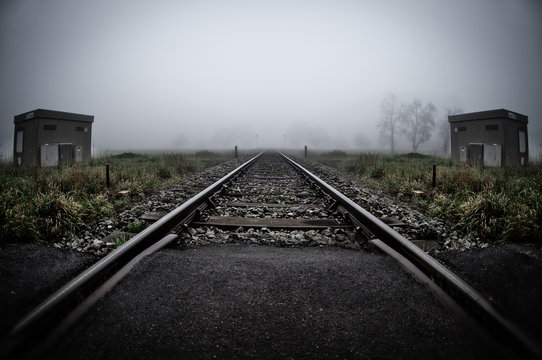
206	154
137	226
128	155
164	173
495	204
378	172
121	240
46	204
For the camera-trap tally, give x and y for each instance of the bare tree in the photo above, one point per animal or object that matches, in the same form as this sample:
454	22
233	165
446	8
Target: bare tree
389	124
417	122
444	126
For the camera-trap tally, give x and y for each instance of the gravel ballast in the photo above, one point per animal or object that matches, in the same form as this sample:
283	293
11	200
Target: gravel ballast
102	238
212	265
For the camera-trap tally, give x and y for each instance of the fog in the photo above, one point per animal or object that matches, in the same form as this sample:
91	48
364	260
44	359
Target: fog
213	74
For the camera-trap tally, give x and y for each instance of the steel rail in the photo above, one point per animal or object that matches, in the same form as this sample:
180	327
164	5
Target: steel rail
473	301
67	297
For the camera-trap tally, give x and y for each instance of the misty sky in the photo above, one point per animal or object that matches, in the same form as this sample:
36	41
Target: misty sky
210	74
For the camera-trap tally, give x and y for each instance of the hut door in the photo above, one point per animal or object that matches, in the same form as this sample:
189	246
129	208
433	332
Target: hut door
476	154
65	154
492	155
78	154
49	155
462	153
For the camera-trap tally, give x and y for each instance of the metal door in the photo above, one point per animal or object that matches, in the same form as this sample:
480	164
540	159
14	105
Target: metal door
476	154
65	154
78	154
492	155
49	155
462	153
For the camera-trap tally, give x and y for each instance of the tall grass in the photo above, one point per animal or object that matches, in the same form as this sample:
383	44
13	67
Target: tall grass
46	204
495	204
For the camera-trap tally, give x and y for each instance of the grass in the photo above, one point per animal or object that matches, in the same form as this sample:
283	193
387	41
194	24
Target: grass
121	240
495	204
46	204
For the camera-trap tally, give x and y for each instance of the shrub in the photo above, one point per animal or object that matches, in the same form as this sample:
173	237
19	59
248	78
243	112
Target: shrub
378	172
128	155
206	154
495	204
163	172
45	204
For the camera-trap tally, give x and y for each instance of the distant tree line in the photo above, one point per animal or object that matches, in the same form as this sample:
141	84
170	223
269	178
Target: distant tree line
415	121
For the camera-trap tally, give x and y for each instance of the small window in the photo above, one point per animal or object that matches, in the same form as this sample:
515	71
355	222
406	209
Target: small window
460	128
80	129
19	142
522	141
492	127
49	127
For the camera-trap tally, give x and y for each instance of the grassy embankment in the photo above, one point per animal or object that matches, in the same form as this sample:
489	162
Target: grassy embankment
495	204
44	204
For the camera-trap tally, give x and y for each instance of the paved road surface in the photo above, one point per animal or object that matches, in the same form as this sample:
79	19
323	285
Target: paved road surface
234	301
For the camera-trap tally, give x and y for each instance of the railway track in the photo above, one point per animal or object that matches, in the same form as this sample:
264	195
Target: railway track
270	199
271	204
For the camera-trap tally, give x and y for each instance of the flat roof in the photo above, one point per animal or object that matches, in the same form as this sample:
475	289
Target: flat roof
52	114
490	114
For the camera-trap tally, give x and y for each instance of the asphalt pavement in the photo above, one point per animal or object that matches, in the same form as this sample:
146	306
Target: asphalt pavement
237	301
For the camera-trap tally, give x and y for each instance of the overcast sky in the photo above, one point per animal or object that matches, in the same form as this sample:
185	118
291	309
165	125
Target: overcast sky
185	74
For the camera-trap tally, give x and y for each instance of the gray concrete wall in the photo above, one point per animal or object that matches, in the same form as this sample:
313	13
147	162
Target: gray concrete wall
475	133
29	155
507	136
35	135
512	155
